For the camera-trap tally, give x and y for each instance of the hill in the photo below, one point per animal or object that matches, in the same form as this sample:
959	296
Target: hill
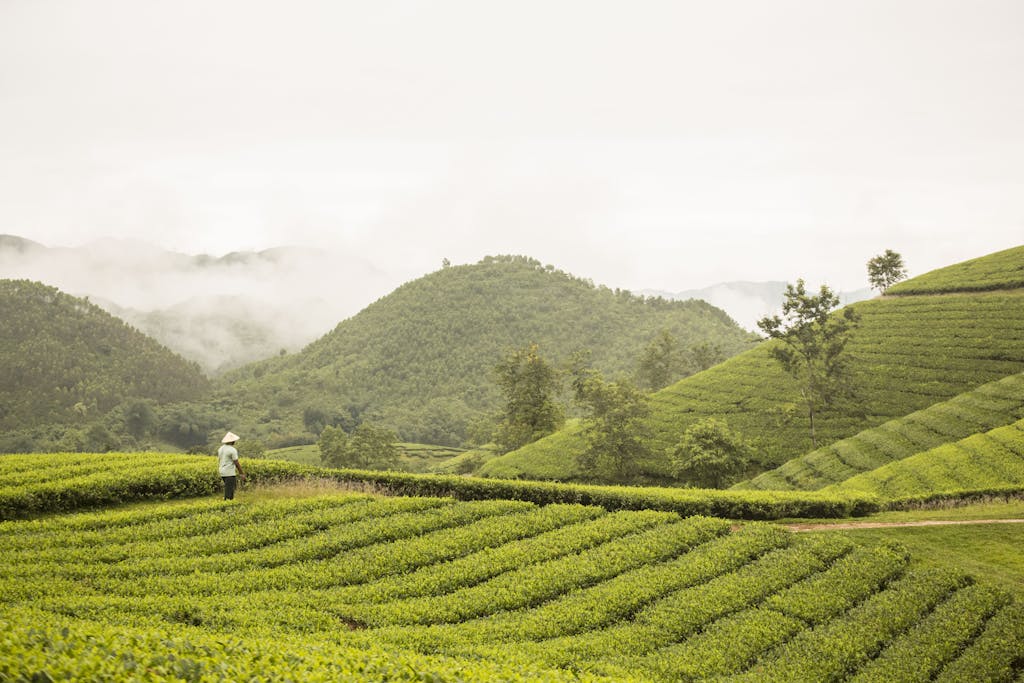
64	360
220	311
747	302
326	585
421	359
908	353
986	462
991	405
1001	270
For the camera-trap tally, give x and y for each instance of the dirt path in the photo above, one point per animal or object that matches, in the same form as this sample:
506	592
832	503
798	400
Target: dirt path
882	525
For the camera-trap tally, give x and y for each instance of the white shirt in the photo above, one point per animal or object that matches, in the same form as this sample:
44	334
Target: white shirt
227	456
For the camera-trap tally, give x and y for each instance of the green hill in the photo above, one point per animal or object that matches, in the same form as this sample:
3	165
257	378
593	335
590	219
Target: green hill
908	353
352	586
421	359
990	405
65	361
992	461
1001	270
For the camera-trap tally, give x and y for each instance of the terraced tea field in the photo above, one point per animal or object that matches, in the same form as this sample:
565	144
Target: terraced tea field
358	586
907	354
989	406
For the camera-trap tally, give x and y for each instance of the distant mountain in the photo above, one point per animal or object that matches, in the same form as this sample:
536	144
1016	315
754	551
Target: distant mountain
421	359
748	302
221	312
64	360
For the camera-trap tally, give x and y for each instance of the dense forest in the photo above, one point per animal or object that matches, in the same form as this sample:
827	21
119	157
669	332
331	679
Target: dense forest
66	366
421	360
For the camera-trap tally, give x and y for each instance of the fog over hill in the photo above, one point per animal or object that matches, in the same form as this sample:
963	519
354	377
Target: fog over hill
748	302
223	312
219	311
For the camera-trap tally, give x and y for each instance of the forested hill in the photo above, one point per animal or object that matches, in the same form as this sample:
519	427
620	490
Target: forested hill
421	359
64	360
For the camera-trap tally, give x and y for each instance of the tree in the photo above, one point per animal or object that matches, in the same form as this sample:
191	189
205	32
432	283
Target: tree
886	270
368	447
811	345
373	447
658	362
710	454
333	445
614	432
252	448
139	417
705	355
529	384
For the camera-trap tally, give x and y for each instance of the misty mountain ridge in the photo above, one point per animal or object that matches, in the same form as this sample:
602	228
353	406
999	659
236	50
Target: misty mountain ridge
222	311
748	302
226	311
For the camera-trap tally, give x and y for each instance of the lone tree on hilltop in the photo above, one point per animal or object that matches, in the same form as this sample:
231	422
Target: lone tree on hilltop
886	270
812	345
529	384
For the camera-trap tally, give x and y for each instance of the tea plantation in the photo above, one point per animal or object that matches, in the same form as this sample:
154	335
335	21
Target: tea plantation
360	586
947	333
991	405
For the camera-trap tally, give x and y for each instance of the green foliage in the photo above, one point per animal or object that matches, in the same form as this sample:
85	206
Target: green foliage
74	481
368	447
1001	270
813	341
65	362
528	384
885	270
613	430
907	353
420	359
659	362
709	454
991	405
333	445
981	463
345	586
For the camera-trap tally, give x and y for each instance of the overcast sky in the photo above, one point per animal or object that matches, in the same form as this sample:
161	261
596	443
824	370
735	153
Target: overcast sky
642	144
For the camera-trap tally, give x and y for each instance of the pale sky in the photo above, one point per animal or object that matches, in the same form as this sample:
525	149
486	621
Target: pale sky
660	145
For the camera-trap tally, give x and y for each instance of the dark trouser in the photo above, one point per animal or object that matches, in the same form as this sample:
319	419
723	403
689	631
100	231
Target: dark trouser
229	487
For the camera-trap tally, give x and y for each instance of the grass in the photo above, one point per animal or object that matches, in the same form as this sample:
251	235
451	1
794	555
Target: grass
992	553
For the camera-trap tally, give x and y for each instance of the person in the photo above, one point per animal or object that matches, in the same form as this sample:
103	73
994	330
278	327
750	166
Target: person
230	467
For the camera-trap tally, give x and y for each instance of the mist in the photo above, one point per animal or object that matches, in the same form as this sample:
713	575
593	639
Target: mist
222	311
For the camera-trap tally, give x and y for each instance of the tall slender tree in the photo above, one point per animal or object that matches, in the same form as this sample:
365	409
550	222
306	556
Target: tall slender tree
529	384
614	430
812	344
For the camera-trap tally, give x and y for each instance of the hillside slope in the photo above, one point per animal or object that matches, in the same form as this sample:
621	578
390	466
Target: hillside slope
991	405
421	359
908	353
992	461
64	360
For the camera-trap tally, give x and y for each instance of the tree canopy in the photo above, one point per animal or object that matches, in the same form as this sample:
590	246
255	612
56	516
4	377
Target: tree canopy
811	345
886	270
